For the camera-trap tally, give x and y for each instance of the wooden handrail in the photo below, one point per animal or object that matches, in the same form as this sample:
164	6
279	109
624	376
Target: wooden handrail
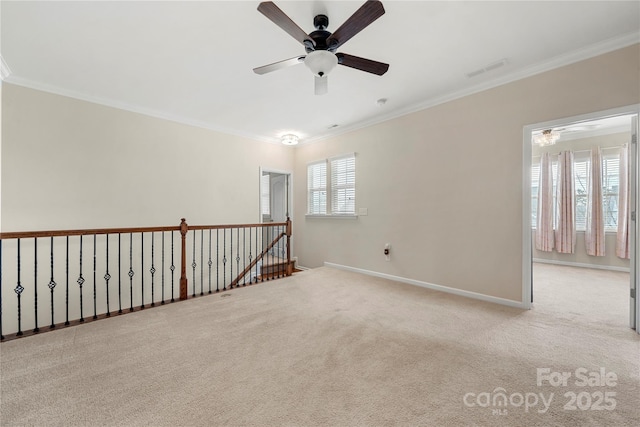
83	232
92	231
220	227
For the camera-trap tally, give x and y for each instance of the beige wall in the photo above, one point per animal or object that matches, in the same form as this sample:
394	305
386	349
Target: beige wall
72	164
444	185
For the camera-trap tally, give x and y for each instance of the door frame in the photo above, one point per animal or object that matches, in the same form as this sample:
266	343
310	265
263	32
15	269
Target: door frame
527	279
289	191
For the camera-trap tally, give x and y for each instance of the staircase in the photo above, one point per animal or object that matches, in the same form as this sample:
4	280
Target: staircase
271	267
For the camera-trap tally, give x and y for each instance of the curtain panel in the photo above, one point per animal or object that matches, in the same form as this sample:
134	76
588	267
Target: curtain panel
594	233
622	239
565	235
544	226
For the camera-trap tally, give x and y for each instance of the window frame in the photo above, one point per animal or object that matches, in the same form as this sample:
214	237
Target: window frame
332	187
580	157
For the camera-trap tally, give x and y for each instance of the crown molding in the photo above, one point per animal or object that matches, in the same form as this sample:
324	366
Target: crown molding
43	87
594	50
578	55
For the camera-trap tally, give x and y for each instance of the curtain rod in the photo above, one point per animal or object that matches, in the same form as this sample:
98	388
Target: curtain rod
584	151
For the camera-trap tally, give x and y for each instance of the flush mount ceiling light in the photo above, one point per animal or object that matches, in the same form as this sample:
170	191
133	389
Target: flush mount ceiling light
546	137
289	139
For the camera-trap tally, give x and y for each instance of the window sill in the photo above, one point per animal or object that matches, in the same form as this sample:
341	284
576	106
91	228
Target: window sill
346	216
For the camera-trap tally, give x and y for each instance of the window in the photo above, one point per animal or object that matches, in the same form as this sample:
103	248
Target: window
610	188
317	188
265	185
581	189
332	193
581	167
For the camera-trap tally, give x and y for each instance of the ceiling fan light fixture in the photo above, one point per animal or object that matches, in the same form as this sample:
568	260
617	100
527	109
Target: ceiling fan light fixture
321	62
289	139
546	137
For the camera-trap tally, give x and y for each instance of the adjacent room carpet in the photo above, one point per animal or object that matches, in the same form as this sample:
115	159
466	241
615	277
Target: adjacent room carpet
325	348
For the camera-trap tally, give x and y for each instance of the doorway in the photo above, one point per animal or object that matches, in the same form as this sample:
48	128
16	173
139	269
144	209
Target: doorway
611	131
275	206
275	196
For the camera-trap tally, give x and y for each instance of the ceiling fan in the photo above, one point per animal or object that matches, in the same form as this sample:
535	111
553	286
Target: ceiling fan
321	45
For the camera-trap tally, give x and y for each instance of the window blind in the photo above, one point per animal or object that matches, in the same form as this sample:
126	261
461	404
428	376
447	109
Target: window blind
581	188
317	188
610	189
343	185
265	185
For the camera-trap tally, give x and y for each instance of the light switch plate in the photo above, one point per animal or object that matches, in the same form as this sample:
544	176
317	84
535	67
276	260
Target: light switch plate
363	211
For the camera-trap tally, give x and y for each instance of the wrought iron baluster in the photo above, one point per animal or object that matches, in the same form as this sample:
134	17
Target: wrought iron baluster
80	282
152	270
280	252
18	290
217	259
131	273
270	251
172	268
210	262
52	285
231	256
107	276
95	307
35	283
142	271
244	255
193	263
224	259
276	253
66	322
250	257
277	248
238	254
119	273
163	233
260	265
1	334
201	262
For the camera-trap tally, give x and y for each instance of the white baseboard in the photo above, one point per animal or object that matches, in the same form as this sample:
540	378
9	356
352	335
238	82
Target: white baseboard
581	265
454	291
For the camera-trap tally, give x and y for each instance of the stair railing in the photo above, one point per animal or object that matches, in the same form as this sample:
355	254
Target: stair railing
67	277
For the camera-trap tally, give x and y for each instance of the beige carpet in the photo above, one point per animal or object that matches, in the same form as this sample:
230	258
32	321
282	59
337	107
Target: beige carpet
322	348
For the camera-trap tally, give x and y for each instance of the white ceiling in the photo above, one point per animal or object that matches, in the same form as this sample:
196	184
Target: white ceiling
192	61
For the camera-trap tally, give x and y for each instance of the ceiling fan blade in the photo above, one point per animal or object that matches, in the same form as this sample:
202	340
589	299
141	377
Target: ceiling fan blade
321	85
279	65
373	67
368	12
278	17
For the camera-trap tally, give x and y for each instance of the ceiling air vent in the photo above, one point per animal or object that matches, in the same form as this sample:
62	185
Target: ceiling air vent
487	68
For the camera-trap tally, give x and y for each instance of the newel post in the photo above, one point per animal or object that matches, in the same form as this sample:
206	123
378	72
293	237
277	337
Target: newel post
184	228
289	264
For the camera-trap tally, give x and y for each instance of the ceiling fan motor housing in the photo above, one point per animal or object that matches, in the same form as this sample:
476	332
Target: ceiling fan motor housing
321	22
